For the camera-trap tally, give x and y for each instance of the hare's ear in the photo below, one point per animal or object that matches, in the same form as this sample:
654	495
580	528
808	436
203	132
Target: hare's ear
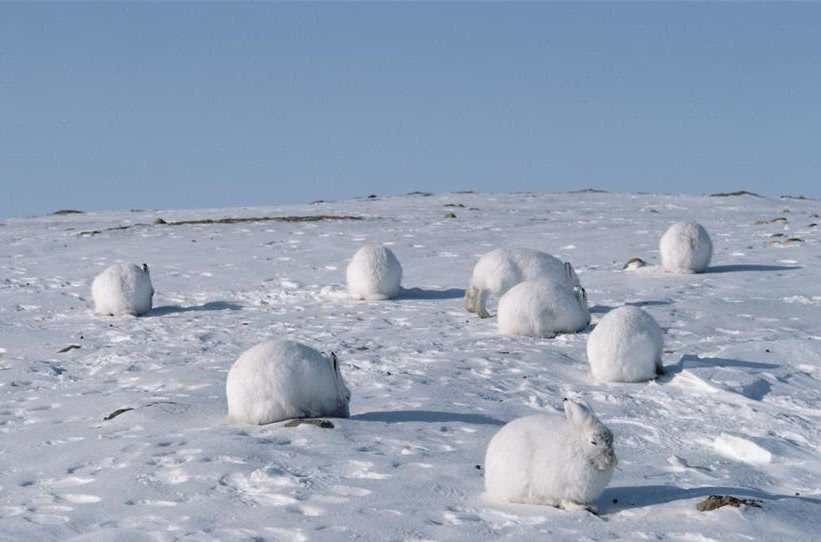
335	361
145	267
571	273
577	413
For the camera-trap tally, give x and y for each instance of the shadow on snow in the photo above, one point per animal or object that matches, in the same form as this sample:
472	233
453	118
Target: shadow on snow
630	497
211	306
648	303
421	293
737	268
690	361
428	416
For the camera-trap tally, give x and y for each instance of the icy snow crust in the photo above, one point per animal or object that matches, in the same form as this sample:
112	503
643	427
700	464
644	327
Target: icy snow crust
738	412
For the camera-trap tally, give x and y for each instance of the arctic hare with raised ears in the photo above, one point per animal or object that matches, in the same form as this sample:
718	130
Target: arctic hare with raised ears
503	268
280	380
685	248
625	346
542	308
563	461
123	288
374	274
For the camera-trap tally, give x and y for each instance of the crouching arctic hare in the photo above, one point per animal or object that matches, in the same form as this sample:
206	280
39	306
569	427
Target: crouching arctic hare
551	460
123	288
374	274
625	346
542	309
280	380
685	248
501	269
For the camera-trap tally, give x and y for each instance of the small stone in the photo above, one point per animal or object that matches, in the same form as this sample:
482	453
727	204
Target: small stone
714	502
634	263
323	424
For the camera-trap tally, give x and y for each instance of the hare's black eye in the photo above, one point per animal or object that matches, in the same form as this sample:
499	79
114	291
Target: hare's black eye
593	442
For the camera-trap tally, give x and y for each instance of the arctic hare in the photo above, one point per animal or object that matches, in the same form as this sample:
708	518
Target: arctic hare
685	248
123	288
501	269
374	273
553	460
542	308
279	380
625	346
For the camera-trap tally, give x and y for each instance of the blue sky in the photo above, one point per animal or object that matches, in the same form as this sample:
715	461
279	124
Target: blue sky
117	106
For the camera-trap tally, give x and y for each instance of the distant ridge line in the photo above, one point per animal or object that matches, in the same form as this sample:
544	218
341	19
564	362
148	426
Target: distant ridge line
736	193
229	220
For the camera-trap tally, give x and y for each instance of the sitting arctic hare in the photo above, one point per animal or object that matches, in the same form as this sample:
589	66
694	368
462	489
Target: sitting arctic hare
123	288
625	346
542	308
563	462
685	248
279	380
374	274
501	269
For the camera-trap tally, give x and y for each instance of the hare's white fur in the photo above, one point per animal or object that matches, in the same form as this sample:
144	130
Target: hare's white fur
280	380
625	346
685	248
503	268
553	460
123	288
374	273
542	308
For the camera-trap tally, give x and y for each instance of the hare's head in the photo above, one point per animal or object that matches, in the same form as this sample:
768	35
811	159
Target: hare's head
343	394
594	438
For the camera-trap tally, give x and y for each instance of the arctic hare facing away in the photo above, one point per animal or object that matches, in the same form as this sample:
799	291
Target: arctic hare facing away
551	460
374	274
542	308
280	380
625	346
123	288
685	248
501	269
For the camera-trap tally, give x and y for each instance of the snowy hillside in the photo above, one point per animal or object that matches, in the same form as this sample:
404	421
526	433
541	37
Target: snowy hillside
736	414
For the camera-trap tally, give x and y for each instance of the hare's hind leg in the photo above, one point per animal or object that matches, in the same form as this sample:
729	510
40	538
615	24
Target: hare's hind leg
481	308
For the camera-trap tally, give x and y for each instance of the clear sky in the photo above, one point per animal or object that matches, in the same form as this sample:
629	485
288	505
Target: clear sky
117	106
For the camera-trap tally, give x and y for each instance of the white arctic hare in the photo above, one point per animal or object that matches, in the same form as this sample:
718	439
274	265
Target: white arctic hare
280	380
685	248
374	273
123	288
558	461
542	308
501	269
625	346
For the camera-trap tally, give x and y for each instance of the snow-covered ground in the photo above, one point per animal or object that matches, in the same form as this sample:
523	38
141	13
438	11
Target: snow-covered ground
737	414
